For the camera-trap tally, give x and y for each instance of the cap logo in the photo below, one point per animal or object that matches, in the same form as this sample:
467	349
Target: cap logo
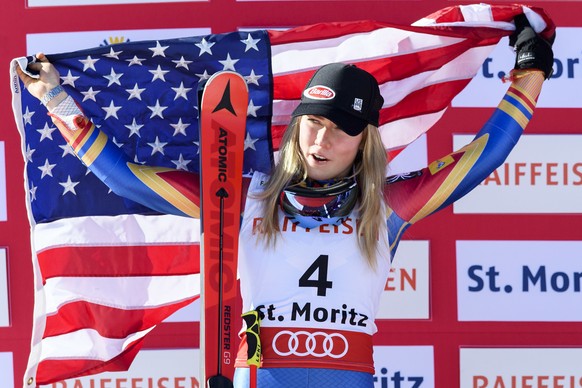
319	92
358	102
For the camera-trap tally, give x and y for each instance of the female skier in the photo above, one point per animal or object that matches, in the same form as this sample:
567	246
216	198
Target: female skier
318	233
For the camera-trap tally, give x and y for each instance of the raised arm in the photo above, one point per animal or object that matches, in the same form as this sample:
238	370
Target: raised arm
419	194
165	190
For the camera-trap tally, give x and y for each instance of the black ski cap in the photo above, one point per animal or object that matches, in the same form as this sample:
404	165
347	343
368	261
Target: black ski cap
344	94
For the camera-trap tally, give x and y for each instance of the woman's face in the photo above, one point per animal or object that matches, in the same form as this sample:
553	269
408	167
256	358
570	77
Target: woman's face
329	151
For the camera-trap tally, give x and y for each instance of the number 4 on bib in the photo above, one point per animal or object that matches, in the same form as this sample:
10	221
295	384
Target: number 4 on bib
319	266
223	111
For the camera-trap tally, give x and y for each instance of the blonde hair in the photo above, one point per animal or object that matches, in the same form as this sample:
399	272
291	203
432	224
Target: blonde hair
369	171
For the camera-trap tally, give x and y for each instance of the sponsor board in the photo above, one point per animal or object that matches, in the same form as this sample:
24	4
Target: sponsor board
396	366
406	294
519	280
521	368
486	89
404	367
176	368
543	174
3	211
6	370
52	3
4	301
59	42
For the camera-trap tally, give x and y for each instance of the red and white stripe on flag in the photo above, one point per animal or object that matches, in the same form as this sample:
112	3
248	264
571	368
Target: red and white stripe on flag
92	312
420	68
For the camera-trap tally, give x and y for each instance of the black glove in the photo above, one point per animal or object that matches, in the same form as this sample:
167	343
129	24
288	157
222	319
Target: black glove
532	51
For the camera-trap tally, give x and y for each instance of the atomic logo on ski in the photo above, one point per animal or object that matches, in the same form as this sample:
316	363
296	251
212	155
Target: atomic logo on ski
225	102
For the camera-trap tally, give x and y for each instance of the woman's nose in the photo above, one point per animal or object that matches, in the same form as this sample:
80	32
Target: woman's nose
322	137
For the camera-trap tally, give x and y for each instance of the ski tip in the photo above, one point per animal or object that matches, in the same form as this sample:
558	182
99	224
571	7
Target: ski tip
219	381
228	75
224	90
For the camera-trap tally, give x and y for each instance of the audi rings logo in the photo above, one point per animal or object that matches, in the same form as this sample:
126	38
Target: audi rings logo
316	344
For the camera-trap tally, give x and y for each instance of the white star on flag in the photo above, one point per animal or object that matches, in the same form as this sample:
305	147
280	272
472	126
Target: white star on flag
135	92
135	61
250	43
204	46
157	146
204	75
157	110
181	163
69	79
180	127
159	74
46	132
134	128
252	109
159	50
113	78
27	115
111	110
67	150
113	54
253	78
90	94
228	63
182	63
32	192
181	91
116	142
88	63
29	153
46	169
69	186
250	142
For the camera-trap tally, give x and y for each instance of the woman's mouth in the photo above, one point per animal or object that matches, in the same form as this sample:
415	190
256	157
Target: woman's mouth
318	158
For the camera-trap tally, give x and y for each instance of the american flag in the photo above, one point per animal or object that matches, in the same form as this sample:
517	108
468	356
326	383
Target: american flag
99	258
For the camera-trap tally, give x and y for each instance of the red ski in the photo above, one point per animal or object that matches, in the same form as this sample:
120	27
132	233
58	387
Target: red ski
223	112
